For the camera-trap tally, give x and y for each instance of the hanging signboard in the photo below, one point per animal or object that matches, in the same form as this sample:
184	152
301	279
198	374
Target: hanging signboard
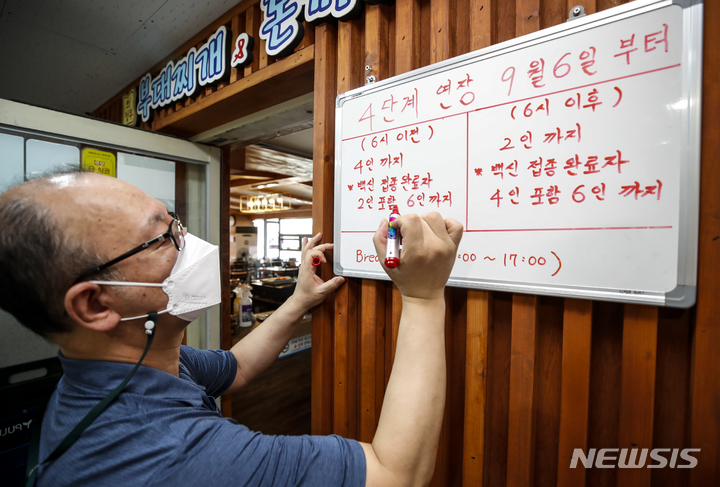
129	115
180	79
570	155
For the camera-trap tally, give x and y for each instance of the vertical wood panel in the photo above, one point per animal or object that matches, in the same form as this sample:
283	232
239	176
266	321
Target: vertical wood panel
371	377
407	36
392	28
575	392
424	29
527	17
705	426
637	392
376	41
605	373
456	330
309	38
479	316
553	12
345	360
441	30
235	73
505	20
547	390
252	27
461	21
350	55
523	381
264	60
483	29
322	212
672	392
499	350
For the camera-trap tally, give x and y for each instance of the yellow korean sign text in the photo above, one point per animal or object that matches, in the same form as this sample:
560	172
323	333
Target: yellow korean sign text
98	161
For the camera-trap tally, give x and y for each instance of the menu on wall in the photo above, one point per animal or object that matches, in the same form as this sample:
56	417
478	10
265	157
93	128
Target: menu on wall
564	157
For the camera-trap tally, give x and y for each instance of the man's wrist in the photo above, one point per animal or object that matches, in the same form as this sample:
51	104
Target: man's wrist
296	306
427	309
429	302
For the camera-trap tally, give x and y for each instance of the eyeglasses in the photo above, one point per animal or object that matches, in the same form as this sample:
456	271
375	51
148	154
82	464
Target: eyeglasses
174	233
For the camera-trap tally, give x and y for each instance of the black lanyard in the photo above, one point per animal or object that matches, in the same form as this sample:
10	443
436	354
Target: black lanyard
74	435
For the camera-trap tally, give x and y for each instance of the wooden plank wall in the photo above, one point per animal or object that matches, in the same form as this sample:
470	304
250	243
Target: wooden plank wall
530	378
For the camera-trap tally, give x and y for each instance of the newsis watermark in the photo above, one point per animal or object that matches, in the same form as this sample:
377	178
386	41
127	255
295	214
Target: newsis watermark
635	458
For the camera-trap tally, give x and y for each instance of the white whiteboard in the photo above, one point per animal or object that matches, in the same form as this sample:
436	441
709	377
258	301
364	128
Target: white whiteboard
570	155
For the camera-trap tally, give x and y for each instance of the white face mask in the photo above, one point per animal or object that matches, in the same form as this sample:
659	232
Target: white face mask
193	285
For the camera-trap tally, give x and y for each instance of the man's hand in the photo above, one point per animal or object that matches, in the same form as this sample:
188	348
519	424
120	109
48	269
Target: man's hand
260	348
429	250
311	290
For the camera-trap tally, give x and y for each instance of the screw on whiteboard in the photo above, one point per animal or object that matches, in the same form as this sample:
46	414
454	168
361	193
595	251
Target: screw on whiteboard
370	79
576	13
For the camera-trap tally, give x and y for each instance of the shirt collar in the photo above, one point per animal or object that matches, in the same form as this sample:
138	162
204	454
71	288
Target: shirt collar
105	376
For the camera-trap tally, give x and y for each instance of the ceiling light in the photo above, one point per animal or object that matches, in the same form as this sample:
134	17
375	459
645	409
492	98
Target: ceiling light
265	185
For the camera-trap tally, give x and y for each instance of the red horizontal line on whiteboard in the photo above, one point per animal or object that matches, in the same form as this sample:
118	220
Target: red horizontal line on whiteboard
568	229
666	227
511	102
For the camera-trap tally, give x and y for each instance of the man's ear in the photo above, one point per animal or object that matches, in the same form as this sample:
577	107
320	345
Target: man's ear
87	305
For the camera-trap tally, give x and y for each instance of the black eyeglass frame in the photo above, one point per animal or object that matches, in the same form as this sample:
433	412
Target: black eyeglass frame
179	245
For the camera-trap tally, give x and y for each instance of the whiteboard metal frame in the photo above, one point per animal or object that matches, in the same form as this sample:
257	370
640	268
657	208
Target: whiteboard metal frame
684	295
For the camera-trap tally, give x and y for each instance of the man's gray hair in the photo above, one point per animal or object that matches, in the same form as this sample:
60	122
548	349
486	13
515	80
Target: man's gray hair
39	262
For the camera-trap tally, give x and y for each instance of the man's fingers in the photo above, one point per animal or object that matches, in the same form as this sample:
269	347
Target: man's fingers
410	227
380	239
319	255
331	285
311	242
454	229
436	223
321	247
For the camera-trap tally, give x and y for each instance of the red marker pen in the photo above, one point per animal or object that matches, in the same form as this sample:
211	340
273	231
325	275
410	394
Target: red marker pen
392	256
316	261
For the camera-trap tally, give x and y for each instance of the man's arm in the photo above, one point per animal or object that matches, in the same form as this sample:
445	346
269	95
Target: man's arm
259	349
405	445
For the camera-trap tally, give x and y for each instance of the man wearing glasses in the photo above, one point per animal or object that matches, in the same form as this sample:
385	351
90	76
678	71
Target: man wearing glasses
123	284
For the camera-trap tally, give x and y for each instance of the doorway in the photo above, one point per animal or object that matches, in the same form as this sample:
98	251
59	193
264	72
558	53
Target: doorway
269	205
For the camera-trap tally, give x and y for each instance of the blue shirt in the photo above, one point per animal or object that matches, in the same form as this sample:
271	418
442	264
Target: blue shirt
164	430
